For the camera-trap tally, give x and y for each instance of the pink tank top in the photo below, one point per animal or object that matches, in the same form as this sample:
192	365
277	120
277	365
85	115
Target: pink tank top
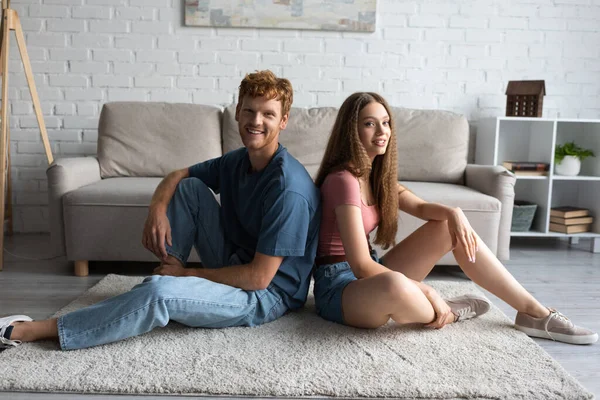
340	188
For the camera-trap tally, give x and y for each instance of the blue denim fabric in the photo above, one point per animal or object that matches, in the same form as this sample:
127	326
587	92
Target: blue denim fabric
196	220
330	282
196	302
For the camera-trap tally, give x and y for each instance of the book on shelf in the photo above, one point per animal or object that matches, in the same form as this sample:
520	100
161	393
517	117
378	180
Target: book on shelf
570	228
572	221
525	166
569	212
530	173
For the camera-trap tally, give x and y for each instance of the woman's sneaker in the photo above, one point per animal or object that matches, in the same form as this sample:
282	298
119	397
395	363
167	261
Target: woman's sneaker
4	324
468	306
556	327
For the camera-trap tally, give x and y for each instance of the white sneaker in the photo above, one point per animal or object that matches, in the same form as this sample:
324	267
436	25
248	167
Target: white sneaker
5	323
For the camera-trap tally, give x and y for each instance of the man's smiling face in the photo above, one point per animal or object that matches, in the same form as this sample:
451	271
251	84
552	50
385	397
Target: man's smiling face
259	121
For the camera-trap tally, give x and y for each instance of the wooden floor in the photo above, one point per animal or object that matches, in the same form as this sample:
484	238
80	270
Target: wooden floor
567	278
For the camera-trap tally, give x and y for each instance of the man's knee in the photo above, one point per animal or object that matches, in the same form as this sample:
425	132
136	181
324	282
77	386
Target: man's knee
193	188
158	287
192	193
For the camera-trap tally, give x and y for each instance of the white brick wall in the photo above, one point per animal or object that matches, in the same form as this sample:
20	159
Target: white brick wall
443	54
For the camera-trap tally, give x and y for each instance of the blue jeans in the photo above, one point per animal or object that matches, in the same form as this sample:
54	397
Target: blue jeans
195	219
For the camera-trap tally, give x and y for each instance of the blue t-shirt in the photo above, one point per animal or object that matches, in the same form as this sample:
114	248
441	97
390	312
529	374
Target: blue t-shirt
275	211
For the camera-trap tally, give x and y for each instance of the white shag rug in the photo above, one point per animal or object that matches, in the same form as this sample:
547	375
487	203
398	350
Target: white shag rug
300	355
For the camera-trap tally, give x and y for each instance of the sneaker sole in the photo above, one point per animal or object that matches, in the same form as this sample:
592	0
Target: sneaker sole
559	337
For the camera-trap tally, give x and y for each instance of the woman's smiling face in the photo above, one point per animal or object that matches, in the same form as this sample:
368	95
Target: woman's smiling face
374	129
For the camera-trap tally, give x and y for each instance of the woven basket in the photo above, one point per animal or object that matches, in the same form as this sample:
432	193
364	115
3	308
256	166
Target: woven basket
523	213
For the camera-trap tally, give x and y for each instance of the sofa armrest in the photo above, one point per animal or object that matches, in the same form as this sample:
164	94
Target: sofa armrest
65	175
498	182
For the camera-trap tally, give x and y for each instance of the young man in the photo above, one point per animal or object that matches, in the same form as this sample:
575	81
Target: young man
257	248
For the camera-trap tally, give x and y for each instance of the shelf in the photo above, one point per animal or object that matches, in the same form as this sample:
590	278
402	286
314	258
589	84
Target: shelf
582	234
554	234
528	234
526	119
575	120
534	139
575	178
532	177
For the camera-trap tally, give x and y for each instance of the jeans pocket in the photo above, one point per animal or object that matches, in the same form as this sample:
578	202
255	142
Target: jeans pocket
277	310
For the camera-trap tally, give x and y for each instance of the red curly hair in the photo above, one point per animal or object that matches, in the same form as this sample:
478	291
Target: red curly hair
266	84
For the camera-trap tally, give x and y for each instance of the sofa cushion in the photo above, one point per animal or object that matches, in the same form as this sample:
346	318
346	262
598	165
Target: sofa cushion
305	136
153	139
104	220
114	192
422	133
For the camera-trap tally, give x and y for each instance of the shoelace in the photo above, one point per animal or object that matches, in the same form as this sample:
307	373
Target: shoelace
6	341
560	316
557	315
9	342
462	312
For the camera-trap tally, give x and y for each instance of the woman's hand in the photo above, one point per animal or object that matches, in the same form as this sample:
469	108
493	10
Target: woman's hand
461	231
443	313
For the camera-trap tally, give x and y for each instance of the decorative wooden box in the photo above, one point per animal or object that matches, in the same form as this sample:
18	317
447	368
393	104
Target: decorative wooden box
525	98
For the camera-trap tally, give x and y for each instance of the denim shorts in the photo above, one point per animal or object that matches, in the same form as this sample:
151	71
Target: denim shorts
330	282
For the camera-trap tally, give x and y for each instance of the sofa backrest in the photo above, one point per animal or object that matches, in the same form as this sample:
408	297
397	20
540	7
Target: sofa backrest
305	135
432	145
153	139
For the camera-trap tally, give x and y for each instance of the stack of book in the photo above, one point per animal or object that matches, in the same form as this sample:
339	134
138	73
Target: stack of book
527	168
570	220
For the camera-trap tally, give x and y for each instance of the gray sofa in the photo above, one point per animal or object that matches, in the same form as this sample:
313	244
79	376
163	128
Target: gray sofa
98	205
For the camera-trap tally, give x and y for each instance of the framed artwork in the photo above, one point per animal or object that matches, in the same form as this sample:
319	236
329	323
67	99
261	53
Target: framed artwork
333	15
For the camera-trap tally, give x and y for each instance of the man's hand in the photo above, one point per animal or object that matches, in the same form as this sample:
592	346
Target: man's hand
443	313
170	270
157	229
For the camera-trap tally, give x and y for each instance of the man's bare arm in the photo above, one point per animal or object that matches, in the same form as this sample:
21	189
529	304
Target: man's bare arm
157	228
256	275
166	188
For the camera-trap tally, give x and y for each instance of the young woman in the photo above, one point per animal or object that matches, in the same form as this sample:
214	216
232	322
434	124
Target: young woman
359	192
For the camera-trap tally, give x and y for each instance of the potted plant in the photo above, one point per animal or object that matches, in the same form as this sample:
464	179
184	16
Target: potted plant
568	158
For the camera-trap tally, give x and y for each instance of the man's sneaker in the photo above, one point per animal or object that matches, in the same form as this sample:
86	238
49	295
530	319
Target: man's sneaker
468	306
556	327
4	324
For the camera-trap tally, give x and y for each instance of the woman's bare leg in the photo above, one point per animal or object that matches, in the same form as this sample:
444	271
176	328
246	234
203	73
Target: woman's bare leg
371	302
416	255
35	330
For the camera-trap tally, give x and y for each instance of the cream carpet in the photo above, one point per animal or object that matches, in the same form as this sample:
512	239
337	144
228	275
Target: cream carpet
300	355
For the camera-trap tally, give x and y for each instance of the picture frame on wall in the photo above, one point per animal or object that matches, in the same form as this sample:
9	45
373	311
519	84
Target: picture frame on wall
331	15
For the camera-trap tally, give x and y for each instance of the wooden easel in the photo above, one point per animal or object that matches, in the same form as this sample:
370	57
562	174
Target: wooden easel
11	22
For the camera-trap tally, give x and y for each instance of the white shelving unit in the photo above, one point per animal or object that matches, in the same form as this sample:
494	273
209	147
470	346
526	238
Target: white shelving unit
534	139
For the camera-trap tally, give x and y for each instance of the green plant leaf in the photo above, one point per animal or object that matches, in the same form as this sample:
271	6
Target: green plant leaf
571	149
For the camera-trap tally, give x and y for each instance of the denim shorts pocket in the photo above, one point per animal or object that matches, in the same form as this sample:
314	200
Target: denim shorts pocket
332	270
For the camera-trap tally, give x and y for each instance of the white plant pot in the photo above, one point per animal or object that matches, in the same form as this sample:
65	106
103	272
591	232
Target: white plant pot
570	166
